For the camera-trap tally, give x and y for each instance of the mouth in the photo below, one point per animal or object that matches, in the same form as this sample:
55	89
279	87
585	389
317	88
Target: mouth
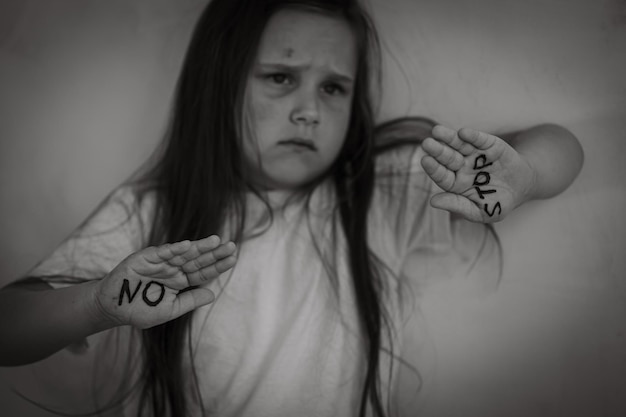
302	143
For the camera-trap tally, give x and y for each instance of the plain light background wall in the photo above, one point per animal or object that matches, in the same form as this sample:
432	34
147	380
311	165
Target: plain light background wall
85	87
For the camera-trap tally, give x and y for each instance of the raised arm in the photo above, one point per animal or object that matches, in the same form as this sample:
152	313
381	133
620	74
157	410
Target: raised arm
36	320
555	155
150	287
484	178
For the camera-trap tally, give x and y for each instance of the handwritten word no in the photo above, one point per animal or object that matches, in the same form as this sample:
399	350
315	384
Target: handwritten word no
144	295
482	179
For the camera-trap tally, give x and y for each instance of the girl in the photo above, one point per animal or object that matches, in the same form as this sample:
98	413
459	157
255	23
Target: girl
272	146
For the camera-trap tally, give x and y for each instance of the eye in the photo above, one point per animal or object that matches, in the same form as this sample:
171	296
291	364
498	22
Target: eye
333	89
280	78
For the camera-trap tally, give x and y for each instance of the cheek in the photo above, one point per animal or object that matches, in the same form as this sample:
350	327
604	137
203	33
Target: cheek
260	124
340	120
340	113
263	110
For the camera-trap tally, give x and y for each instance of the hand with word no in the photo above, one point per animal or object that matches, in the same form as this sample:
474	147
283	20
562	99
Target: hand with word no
482	176
158	284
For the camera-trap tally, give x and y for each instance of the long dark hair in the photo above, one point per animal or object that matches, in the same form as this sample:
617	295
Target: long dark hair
199	182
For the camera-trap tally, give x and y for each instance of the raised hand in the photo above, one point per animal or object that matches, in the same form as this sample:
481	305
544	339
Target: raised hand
483	177
158	284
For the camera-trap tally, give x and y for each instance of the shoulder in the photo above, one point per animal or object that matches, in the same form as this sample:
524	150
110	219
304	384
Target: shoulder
403	158
124	203
398	144
125	214
117	227
400	169
132	196
402	130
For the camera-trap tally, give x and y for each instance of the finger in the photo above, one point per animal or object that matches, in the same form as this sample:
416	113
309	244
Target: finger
196	248
456	203
480	140
441	175
444	154
209	258
162	253
208	243
212	271
189	300
451	138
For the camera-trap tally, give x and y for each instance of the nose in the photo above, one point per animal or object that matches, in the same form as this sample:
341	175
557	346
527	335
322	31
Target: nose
306	109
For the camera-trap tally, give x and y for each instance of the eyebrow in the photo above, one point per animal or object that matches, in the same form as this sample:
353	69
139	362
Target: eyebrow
290	67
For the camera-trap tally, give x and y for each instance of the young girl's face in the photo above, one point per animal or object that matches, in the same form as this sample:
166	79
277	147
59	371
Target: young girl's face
298	98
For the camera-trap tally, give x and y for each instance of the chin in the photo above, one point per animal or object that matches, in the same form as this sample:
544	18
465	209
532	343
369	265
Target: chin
291	181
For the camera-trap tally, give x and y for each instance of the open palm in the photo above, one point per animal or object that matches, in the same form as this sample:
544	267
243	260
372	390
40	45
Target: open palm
160	283
483	177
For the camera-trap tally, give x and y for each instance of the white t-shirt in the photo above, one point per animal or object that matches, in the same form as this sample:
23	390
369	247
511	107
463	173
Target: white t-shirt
282	337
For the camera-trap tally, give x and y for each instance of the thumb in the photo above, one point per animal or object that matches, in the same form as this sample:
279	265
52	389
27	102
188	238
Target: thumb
457	204
191	299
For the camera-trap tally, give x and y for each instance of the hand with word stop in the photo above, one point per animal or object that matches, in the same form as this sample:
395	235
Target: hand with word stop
160	283
482	176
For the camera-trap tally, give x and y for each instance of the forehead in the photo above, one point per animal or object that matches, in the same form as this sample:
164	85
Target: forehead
308	37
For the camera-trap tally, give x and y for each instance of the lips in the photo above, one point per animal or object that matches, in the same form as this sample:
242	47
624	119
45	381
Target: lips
299	143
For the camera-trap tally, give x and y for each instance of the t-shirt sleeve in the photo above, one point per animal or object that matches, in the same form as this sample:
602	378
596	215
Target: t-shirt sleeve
118	227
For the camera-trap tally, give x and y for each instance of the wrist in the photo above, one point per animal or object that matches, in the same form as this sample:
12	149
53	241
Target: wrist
530	186
97	313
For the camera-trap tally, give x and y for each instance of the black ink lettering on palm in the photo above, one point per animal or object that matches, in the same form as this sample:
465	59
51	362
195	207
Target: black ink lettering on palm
482	179
144	295
157	284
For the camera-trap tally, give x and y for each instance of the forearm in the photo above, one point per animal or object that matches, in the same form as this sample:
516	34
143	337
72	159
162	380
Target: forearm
36	322
555	156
